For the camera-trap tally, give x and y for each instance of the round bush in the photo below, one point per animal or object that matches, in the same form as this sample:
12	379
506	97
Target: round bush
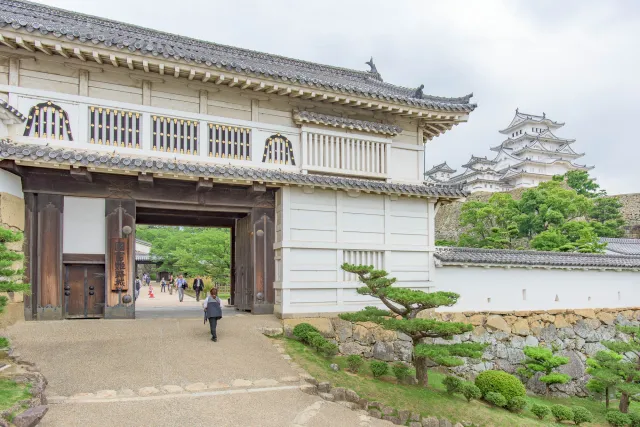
635	420
301	330
378	368
618	419
328	348
452	384
354	363
581	415
496	399
501	382
400	370
517	404
470	391
315	340
561	413
540	411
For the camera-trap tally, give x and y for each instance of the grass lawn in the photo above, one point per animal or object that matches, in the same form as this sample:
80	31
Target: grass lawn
433	401
12	392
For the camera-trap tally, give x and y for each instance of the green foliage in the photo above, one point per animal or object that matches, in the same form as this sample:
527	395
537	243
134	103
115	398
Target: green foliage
540	411
445	242
191	251
496	399
635	419
321	344
502	382
561	413
517	404
10	278
378	368
542	359
302	330
452	384
582	183
581	415
628	368
4	342
354	363
618	419
401	371
404	305
470	391
605	371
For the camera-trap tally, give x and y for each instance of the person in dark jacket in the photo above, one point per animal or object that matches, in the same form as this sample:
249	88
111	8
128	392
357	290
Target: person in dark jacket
198	286
213	311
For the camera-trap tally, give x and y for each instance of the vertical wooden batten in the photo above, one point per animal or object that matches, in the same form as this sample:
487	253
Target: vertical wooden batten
50	208
30	249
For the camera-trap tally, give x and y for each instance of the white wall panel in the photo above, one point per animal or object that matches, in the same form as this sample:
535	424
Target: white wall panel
83	226
10	184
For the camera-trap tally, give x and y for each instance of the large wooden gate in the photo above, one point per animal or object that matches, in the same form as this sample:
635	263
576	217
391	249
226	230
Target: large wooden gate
84	290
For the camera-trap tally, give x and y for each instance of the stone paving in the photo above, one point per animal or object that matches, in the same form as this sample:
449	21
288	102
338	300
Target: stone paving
166	372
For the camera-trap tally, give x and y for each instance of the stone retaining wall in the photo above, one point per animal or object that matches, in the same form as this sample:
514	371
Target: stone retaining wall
575	333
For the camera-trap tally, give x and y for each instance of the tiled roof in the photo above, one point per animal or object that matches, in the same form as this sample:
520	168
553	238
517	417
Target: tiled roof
476	159
345	122
143	257
622	246
11	113
22	15
79	157
442	167
455	256
522	117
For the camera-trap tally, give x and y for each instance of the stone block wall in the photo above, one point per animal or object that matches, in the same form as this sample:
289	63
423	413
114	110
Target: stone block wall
576	334
631	214
12	215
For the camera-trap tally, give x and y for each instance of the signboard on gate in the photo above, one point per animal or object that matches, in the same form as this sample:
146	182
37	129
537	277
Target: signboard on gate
119	268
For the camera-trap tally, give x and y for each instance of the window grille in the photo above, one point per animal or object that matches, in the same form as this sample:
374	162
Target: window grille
374	258
48	120
174	135
230	142
278	149
118	128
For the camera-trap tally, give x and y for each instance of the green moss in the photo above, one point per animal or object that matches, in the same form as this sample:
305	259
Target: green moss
12	392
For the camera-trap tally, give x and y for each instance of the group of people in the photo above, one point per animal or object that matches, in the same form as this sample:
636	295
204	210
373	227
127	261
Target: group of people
212	305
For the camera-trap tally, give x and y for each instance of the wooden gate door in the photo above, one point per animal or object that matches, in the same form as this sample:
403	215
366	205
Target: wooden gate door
84	291
243	265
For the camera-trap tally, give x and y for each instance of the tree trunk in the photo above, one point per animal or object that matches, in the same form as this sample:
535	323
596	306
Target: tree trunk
624	402
422	373
606	397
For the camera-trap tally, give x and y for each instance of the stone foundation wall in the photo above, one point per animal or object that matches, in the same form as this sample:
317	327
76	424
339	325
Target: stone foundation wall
631	214
575	333
12	215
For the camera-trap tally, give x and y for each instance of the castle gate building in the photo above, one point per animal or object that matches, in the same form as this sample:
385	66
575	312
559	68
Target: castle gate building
106	126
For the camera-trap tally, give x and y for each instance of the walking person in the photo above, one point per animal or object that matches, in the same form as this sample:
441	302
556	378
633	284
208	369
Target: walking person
198	286
181	284
171	284
163	285
212	312
137	287
148	279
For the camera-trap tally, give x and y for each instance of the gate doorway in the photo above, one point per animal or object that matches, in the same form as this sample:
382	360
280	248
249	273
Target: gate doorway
84	291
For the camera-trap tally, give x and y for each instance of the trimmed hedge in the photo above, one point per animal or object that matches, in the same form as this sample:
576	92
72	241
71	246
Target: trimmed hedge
354	363
581	415
540	411
561	413
496	399
401	371
452	384
378	368
618	419
501	382
470	391
302	330
517	404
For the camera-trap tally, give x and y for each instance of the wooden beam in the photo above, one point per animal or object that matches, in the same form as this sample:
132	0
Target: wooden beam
333	99
286	91
42	48
176	72
96	57
114	60
78	54
20	42
206	77
346	101
11	166
297	94
161	69
257	187
8	42
220	79
272	89
204	185
130	63
81	174
145	66
145	181
234	82
60	51
192	74
309	95
260	87
246	84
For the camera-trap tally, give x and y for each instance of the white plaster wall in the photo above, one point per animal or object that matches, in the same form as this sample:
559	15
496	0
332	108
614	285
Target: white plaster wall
317	230
83	226
10	184
501	289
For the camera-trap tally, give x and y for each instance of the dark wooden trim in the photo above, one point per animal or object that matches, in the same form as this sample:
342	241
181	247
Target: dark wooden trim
83	258
145	181
204	185
11	166
81	174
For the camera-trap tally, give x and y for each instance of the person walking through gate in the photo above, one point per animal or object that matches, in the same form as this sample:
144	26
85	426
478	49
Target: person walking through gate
212	312
163	285
138	286
198	286
171	284
181	284
148	279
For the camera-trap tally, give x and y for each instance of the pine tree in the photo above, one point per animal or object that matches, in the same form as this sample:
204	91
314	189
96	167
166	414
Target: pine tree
605	371
10	278
542	359
404	305
629	366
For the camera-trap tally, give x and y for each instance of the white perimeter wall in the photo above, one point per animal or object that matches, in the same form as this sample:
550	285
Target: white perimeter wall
504	289
83	226
317	230
10	184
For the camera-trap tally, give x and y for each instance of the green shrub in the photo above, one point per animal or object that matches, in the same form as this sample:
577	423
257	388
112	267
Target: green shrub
301	330
452	384
328	349
496	399
470	391
315	340
4	342
354	363
501	382
635	420
378	368
581	415
618	419
561	413
540	411
400	370
517	404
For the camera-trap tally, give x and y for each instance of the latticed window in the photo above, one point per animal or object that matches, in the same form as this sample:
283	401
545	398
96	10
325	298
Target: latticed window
114	127
230	142
174	135
278	149
48	120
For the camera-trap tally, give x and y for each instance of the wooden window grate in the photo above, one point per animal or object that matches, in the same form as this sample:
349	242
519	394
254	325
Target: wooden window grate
278	149
48	120
118	128
174	135
229	142
374	258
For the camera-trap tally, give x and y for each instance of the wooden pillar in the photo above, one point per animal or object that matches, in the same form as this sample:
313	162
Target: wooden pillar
263	238
232	279
30	249
118	214
50	210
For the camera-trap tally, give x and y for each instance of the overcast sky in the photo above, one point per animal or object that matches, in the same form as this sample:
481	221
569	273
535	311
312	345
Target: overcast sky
578	61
